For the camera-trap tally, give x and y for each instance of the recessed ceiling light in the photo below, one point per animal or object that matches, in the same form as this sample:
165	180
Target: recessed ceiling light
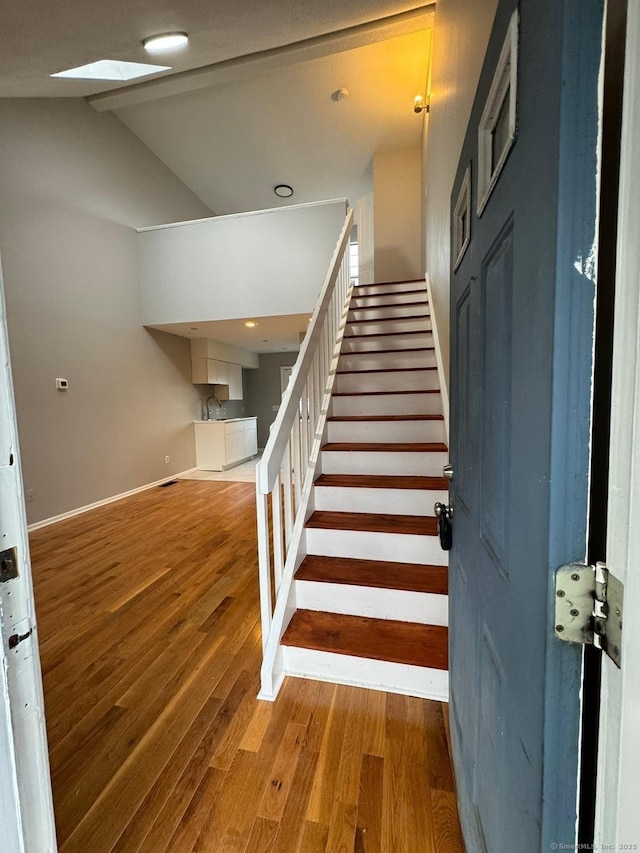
283	190
111	69
165	41
251	324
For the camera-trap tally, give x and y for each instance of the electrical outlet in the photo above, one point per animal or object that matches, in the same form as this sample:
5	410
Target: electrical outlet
166	459
30	495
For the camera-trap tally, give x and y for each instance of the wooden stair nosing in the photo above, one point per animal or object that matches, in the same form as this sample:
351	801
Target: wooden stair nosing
388	335
385	370
410	317
370	522
407	643
386	304
381	418
384	283
378	574
385	446
383	393
381	481
385	351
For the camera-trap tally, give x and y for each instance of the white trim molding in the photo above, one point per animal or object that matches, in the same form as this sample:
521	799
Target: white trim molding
444	387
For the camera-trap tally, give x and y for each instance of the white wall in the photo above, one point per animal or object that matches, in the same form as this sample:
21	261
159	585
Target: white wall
397	214
74	185
460	38
257	264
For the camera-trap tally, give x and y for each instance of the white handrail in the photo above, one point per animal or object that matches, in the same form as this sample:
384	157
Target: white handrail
284	476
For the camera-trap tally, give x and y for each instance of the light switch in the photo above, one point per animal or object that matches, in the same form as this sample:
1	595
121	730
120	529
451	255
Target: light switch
62	384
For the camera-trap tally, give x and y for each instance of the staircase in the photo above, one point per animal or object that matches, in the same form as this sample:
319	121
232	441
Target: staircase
371	591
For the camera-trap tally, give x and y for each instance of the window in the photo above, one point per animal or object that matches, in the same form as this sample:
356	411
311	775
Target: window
462	219
497	129
353	263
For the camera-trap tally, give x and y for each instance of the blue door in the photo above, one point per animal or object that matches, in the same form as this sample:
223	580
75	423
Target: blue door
522	291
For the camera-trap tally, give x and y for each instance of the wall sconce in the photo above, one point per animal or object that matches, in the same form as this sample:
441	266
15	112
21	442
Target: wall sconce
420	104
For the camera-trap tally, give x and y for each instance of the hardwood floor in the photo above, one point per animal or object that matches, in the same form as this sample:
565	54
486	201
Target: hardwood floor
150	645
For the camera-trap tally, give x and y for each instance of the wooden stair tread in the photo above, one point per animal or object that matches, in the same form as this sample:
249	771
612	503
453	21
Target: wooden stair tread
387	446
381	481
373	522
389	319
386	370
376	639
380	393
387	334
375	418
409	577
386	351
386	304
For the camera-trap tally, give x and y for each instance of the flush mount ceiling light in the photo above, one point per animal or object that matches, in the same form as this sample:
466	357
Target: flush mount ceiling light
283	191
111	69
165	41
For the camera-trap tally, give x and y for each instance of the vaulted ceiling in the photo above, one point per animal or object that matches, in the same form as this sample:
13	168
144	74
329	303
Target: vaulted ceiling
252	101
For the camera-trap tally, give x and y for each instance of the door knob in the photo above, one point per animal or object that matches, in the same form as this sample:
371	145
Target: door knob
447	472
444	514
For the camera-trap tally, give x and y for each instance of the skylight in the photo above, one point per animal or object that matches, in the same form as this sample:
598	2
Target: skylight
112	69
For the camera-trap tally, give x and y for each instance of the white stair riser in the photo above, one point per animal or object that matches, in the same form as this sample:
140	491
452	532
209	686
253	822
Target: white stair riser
373	603
400	311
376	675
385	431
364	545
375	327
387	360
388	299
378	342
383	464
389	287
409	380
388	404
396	501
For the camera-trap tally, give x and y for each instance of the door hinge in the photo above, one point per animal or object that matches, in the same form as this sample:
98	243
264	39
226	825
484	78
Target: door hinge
589	608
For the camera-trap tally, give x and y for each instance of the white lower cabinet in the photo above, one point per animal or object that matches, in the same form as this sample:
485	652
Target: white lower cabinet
223	444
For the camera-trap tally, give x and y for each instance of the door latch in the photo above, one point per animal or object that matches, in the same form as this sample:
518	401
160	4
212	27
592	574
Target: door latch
444	514
8	564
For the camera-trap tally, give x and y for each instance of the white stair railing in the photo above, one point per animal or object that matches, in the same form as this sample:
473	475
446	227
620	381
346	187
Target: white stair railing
284	475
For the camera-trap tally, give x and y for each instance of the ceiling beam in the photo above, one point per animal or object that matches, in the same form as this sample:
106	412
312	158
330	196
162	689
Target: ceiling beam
252	64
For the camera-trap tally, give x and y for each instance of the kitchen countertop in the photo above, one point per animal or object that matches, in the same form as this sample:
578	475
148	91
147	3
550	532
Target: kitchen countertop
226	420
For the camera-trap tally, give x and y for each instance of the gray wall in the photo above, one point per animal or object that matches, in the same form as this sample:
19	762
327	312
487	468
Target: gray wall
461	34
262	390
74	185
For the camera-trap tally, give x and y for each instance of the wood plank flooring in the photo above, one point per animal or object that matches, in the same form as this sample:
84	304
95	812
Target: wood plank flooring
150	644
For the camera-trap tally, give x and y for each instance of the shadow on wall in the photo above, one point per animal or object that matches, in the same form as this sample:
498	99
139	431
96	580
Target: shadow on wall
391	264
262	390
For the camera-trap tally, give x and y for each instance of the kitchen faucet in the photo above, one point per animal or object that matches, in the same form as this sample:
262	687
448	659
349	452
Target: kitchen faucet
212	397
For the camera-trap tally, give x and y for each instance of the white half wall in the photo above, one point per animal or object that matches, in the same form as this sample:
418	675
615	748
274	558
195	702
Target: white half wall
257	264
460	39
75	184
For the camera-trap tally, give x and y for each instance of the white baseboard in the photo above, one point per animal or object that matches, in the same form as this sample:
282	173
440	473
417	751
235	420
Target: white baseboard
72	512
361	672
444	389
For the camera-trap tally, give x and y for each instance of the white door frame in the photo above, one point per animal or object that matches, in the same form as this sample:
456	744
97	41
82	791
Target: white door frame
26	806
617	811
